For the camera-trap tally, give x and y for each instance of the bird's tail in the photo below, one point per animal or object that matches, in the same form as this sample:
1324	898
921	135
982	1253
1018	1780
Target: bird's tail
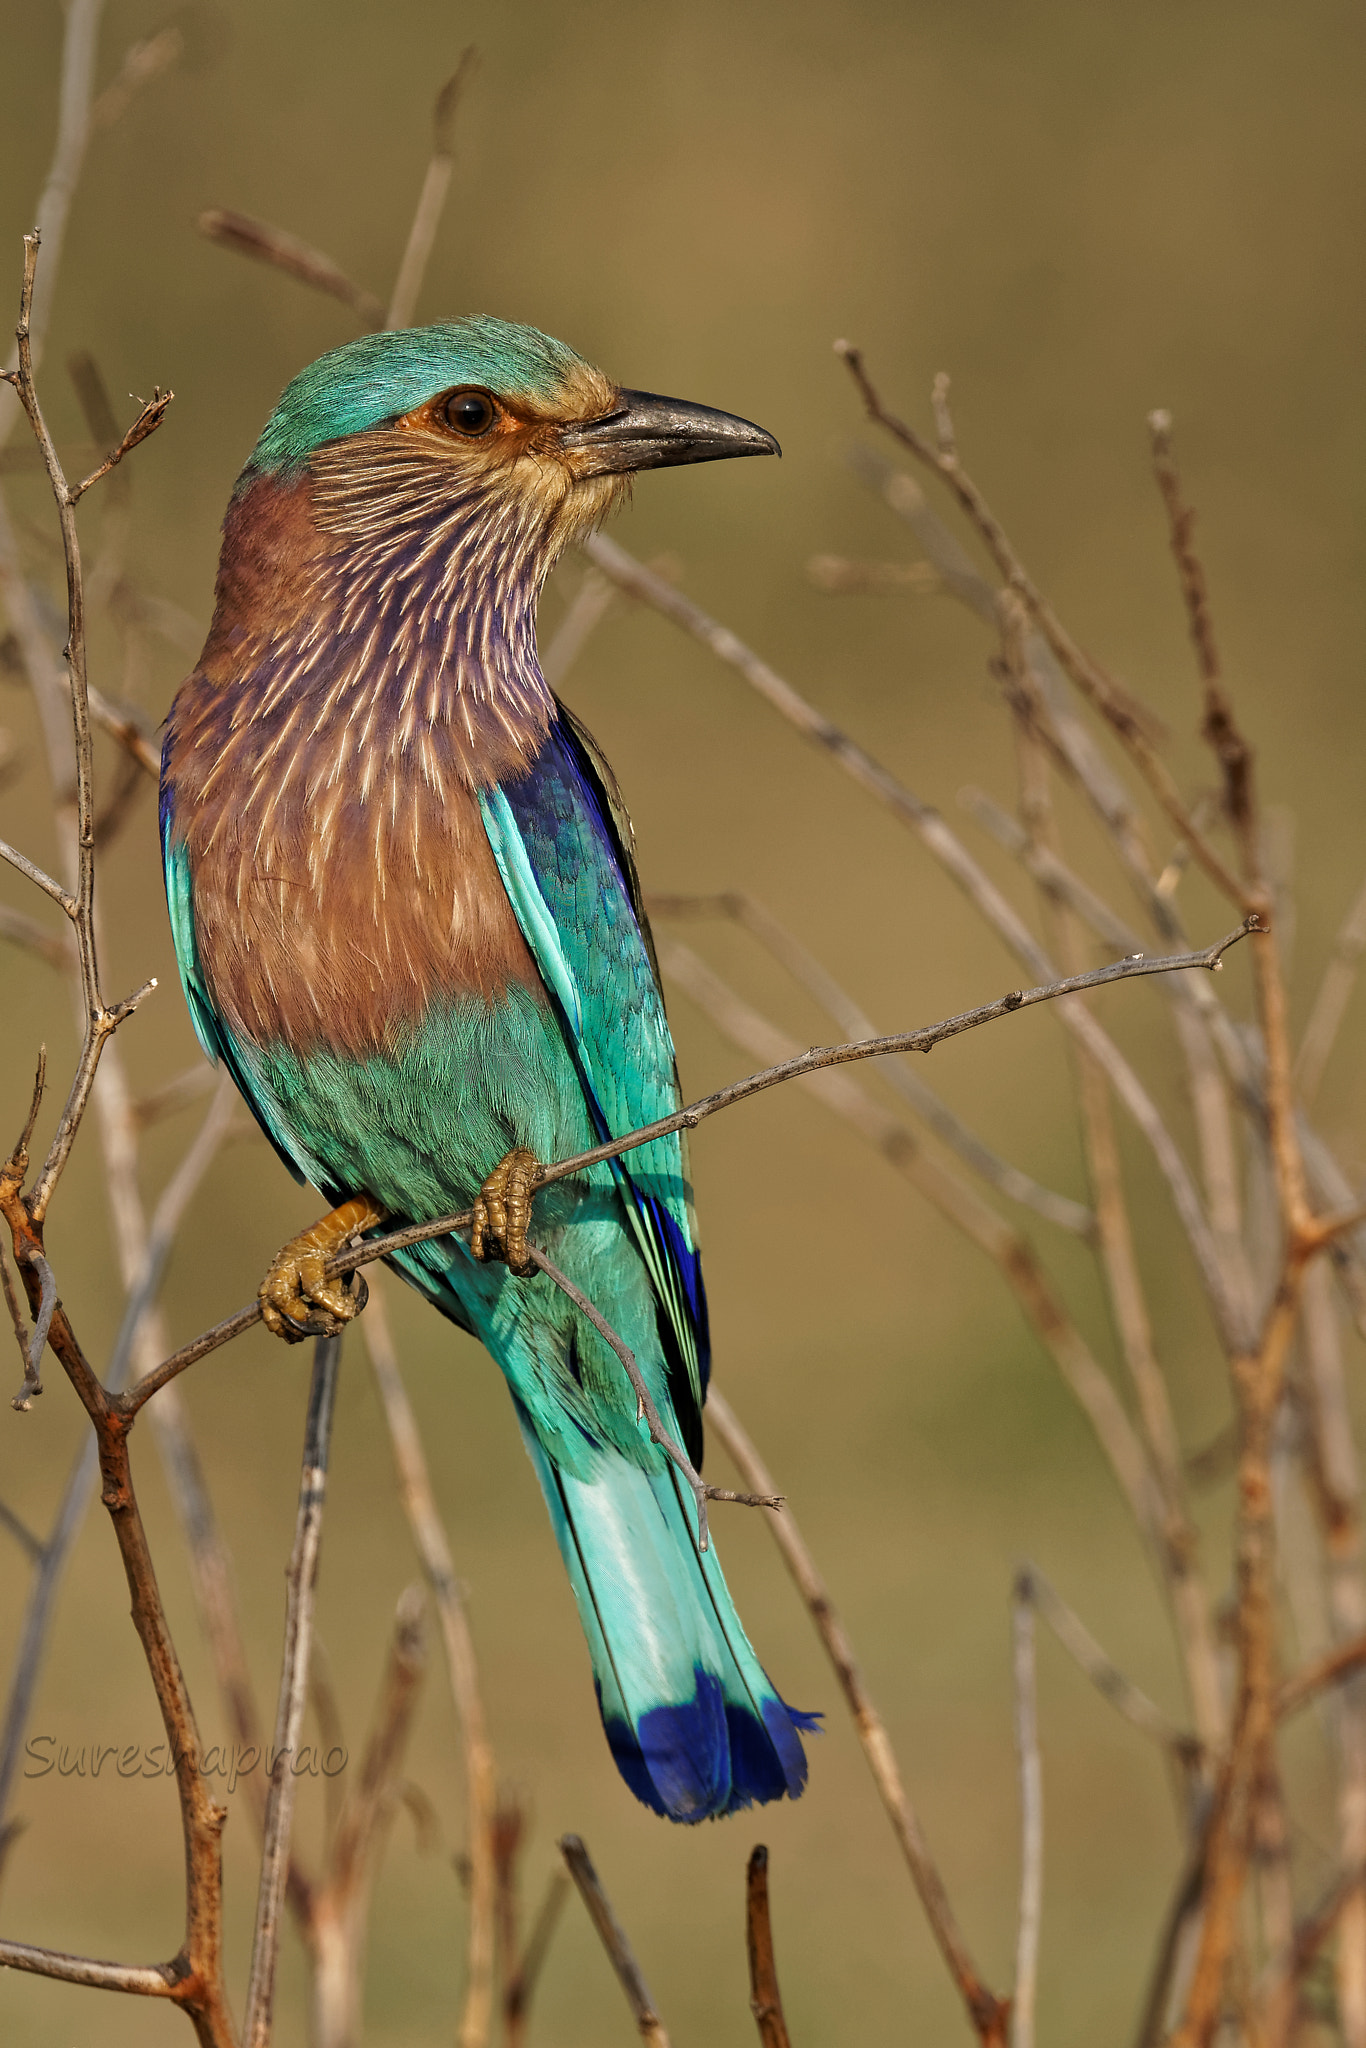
692	1720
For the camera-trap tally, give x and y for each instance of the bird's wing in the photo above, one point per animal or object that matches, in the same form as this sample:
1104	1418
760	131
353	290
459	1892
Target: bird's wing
562	843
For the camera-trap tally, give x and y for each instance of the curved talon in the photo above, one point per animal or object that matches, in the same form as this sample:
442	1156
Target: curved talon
298	1298
502	1212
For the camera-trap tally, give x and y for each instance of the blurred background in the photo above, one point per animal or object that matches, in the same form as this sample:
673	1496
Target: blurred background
1079	211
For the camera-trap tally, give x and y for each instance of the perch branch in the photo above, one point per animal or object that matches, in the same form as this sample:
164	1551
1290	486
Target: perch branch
797	1068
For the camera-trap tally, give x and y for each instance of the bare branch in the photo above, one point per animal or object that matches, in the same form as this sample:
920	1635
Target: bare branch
156	1980
429	1538
27	932
807	971
765	1999
613	1938
300	1580
987	2012
42	1322
33	873
432	199
839	577
148	420
1113	703
283	251
1031	1817
143	61
645	1408
1330	1003
79	52
1110	1682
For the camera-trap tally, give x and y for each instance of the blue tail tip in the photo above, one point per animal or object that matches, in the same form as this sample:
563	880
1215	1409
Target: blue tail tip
708	1756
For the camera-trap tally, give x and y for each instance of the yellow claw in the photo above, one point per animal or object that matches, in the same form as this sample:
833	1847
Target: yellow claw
297	1297
502	1212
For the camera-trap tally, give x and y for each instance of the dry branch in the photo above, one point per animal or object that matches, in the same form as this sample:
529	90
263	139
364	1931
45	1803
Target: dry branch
765	1999
613	1938
988	2013
300	1581
283	251
429	1537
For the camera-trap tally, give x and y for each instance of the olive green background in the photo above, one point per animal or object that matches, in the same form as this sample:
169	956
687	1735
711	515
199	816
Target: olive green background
1078	210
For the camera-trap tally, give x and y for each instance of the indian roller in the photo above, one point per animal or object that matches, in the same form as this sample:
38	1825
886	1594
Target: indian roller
407	919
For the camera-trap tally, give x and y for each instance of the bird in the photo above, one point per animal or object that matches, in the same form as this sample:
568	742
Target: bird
407	918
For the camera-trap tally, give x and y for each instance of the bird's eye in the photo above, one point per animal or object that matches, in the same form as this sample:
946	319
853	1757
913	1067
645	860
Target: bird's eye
470	413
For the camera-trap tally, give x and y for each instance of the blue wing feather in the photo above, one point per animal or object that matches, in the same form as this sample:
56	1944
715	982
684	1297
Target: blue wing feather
563	851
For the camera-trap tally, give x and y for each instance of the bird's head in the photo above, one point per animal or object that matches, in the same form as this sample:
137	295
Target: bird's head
480	411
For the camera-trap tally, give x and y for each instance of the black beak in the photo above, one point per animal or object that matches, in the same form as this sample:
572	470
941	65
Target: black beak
646	432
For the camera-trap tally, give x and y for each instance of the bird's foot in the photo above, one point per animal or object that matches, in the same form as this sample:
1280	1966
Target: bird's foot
297	1297
502	1212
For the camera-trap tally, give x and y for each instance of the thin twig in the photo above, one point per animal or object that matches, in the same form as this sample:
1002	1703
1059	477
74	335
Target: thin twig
808	972
949	851
432	199
799	1067
429	1537
765	1999
613	1938
1105	1675
42	1322
300	1580
522	1983
646	1410
1031	1816
283	251
80	42
1330	1003
337	1921
148	420
987	2012
1113	703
